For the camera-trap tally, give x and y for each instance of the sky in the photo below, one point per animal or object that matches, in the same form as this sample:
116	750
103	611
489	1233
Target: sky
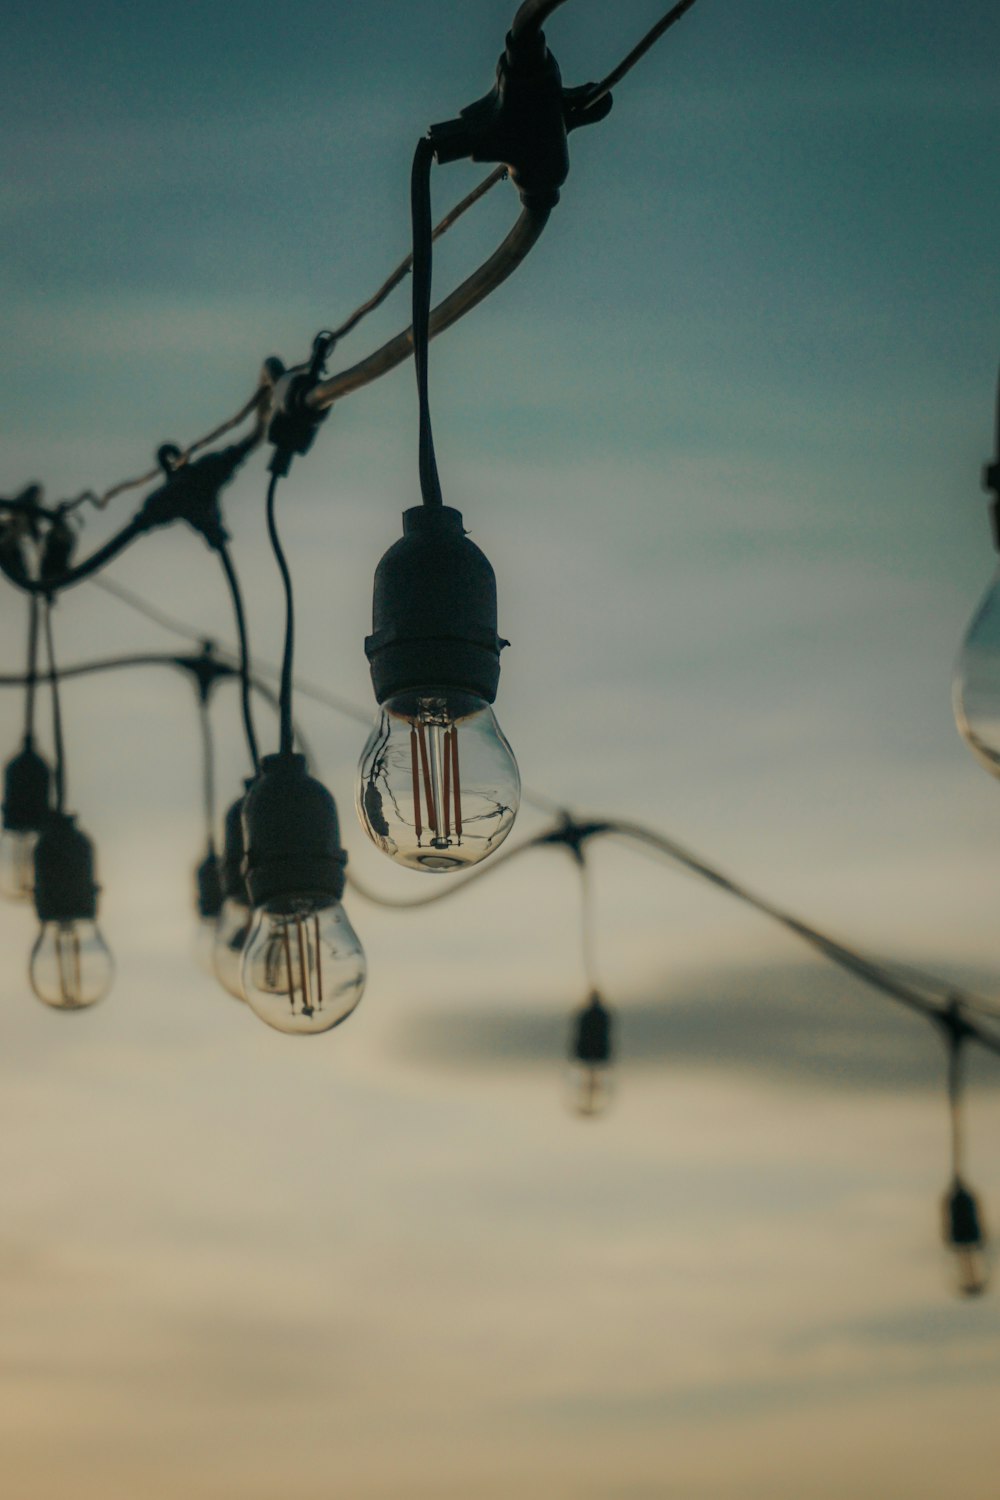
721	438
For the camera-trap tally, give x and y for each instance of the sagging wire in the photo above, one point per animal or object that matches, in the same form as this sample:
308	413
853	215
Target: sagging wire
639	51
254	406
962	1225
658	846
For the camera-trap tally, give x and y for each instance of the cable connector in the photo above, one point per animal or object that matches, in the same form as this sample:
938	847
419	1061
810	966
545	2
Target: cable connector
206	670
294	423
573	835
523	121
191	491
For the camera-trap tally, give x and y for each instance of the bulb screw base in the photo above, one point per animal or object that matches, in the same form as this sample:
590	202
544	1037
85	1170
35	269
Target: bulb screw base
434	613
65	886
26	790
291	833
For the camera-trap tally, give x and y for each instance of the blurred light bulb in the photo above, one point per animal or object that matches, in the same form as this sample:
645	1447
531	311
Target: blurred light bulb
17	864
963	1234
303	966
71	966
438	786
232	928
590	1054
976	689
26	780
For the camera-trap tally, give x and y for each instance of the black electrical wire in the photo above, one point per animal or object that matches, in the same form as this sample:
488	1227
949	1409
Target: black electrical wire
32	672
207	767
287	730
229	570
57	726
420	211
660	846
628	63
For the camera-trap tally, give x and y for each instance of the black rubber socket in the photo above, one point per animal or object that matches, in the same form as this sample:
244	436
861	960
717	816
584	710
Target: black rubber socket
291	834
434	612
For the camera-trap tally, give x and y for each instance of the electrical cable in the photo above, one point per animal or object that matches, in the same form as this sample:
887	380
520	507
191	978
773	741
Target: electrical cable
403	269
32	672
628	63
420	211
285	698
661	846
484	280
208	766
244	654
57	726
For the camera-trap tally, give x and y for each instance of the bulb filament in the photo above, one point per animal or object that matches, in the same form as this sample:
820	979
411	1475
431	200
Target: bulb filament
434	767
303	987
68	960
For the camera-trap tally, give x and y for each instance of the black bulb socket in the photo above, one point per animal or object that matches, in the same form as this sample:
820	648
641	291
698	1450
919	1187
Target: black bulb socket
963	1229
208	883
291	833
590	1038
26	782
231	873
434	611
65	885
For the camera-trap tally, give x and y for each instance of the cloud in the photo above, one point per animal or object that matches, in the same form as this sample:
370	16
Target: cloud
793	1022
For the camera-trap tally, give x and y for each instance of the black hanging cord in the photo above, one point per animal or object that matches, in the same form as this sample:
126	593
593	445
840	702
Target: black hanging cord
207	768
955	1038
246	679
57	730
423	239
285	702
32	672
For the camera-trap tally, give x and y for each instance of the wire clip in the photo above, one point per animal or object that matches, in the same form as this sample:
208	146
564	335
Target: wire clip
523	121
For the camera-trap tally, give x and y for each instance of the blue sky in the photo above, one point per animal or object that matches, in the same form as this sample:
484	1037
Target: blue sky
721	438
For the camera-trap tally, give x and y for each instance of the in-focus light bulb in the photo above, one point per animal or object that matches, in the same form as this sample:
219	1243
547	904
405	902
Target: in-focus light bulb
71	966
438	786
976	689
303	966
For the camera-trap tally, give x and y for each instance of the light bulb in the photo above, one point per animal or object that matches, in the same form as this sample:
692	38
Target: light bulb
303	967
976	689
590	1054
17	864
438	786
71	966
963	1235
232	928
25	810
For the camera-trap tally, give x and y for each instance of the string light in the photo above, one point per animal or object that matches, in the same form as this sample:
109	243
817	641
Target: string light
438	786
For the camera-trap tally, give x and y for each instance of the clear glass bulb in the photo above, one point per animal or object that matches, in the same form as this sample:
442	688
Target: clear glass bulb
232	928
17	864
303	967
976	688
438	786
591	1088
71	965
